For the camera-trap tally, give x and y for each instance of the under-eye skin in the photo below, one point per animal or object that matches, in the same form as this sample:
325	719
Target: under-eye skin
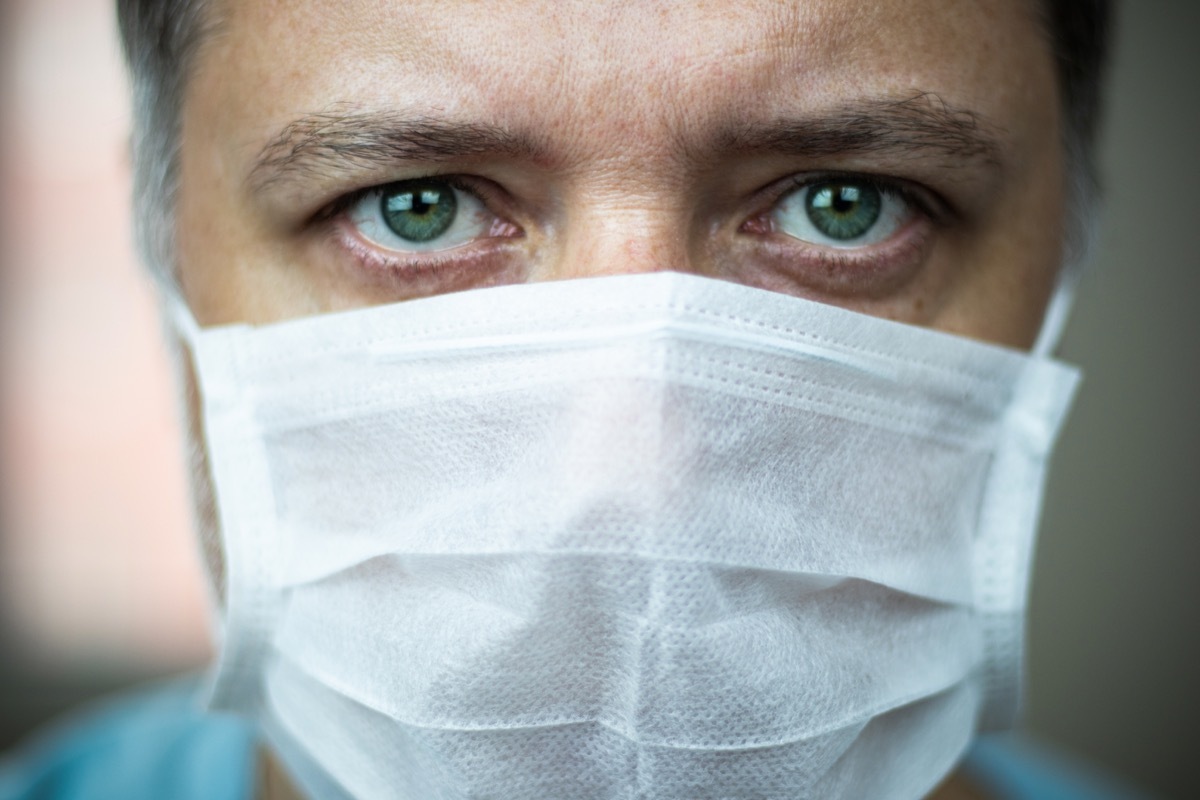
845	233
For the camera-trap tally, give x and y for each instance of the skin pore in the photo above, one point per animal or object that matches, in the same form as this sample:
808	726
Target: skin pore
586	138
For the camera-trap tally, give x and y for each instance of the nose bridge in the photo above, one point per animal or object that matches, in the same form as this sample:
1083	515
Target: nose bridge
627	190
624	234
627	187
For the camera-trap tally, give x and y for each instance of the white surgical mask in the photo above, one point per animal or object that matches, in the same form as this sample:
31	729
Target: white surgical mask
650	536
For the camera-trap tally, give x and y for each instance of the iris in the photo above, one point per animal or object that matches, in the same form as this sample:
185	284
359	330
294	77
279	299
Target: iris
419	210
843	210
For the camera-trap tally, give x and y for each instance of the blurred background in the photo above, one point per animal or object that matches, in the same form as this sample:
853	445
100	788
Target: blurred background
99	583
99	586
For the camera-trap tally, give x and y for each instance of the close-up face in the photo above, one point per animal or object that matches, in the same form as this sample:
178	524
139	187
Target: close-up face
898	158
550	399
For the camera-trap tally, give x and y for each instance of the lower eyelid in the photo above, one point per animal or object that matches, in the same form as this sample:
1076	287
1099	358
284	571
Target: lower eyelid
399	276
366	216
873	271
375	255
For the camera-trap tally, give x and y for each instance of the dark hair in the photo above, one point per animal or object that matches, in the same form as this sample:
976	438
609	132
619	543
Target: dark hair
1079	33
160	38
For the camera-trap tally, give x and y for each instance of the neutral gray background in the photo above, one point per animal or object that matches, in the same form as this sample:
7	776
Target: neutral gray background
1114	649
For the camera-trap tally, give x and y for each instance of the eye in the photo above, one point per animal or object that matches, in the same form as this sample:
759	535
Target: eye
842	213
420	216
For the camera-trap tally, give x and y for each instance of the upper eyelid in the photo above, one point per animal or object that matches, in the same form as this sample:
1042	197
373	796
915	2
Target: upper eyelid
923	199
761	201
487	192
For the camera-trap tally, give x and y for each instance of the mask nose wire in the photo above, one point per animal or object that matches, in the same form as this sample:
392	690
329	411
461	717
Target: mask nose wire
1053	323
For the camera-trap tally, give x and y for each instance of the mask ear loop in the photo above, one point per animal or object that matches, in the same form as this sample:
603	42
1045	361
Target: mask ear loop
1059	310
177	317
229	683
1078	251
1041	399
181	318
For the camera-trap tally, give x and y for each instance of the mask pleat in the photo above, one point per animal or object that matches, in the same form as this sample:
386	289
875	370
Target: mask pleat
644	537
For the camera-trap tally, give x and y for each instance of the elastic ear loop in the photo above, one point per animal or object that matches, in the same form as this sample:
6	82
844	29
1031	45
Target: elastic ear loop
231	683
181	318
1005	686
178	317
1057	313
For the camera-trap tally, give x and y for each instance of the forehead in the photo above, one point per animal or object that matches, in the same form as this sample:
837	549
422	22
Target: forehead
598	72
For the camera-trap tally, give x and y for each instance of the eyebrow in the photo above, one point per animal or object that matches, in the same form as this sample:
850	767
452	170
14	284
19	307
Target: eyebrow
920	126
341	139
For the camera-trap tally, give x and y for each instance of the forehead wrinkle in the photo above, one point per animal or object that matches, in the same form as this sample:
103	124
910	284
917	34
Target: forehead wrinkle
654	102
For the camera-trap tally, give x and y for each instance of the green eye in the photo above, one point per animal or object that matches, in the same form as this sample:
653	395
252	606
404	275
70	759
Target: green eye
419	210
843	210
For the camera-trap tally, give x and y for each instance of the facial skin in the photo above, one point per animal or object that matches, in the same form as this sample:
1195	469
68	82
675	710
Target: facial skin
596	138
605	138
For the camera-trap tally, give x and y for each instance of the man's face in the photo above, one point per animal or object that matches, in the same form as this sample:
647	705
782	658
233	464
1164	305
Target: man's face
897	157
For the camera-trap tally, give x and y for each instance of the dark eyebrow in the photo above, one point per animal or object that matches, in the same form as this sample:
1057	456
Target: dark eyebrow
341	138
337	139
919	126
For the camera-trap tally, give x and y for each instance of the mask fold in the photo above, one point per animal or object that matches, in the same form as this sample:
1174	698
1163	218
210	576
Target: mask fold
652	536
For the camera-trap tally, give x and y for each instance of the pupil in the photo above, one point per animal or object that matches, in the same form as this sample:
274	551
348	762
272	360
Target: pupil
419	210
843	211
845	201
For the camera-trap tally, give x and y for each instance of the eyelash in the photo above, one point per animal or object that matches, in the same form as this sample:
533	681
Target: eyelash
873	269
921	200
377	258
843	269
460	182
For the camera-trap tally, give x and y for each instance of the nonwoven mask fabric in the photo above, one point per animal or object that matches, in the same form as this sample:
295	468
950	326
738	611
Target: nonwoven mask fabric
649	536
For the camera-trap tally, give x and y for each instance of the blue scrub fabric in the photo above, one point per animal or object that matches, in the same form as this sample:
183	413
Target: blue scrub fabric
154	744
158	744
